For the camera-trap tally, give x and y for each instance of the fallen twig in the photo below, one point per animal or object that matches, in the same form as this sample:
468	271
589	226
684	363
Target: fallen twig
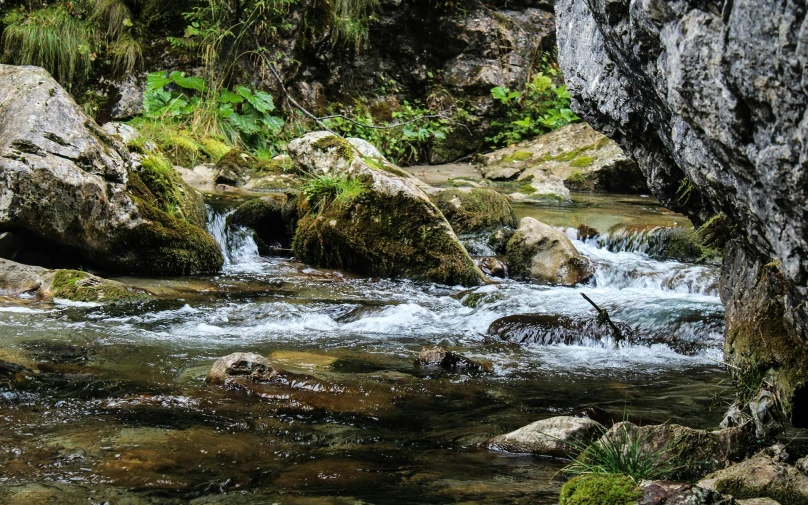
603	317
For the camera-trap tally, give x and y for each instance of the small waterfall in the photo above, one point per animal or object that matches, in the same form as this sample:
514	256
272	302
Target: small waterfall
237	243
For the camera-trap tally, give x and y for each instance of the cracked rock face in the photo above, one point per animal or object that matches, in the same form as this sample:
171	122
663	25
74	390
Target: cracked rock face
709	96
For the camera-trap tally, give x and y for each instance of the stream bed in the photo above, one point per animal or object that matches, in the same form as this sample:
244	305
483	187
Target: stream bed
120	412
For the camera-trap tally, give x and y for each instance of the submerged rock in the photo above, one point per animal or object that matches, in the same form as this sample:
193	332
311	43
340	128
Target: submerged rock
543	254
576	154
551	329
49	146
475	210
74	285
439	357
560	436
492	267
761	476
241	366
386	226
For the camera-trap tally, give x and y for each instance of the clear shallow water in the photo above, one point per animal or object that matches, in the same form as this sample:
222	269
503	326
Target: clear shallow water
120	411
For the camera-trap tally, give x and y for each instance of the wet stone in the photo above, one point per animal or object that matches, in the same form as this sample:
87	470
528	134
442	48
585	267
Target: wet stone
677	493
440	357
241	365
557	436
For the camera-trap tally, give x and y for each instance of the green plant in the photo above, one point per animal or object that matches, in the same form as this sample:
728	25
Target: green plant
542	106
600	490
576	178
621	451
54	38
325	189
684	191
241	116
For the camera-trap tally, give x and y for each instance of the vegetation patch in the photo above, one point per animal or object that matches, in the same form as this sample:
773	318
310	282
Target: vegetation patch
527	189
600	490
321	191
582	161
518	156
342	146
170	193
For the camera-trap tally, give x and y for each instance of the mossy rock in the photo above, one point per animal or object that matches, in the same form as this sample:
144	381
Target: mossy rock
680	244
602	489
80	286
162	245
475	210
160	185
273	222
387	236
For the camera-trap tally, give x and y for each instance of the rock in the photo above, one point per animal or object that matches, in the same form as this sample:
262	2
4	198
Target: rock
559	436
439	357
711	103
552	329
233	168
18	279
587	232
121	132
241	366
691	453
757	501
549	188
49	146
387	227
492	267
576	154
761	477
158	183
677	493
593	489
130	98
543	254
498	241
274	223
475	210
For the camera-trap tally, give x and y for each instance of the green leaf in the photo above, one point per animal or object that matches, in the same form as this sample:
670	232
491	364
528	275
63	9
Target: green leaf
156	81
230	97
260	100
195	83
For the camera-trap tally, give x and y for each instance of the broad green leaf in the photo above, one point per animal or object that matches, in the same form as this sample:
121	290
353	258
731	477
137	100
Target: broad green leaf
156	81
230	97
195	83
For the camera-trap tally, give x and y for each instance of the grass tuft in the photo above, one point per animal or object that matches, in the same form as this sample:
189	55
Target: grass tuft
323	190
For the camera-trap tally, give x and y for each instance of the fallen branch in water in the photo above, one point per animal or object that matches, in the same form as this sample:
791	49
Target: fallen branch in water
603	317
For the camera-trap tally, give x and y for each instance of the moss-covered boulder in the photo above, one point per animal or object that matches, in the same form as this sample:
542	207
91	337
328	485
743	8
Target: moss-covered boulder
69	190
474	210
369	220
74	285
600	489
543	254
761	476
272	219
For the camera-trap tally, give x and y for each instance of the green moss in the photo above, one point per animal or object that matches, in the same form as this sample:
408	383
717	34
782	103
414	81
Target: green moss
214	148
571	155
518	156
576	178
384	167
604	489
527	189
167	191
342	146
582	161
82	287
475	210
385	236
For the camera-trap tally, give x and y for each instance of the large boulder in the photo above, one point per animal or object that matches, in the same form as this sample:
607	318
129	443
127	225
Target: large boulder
560	436
543	254
709	98
272	219
372	218
576	154
475	210
64	185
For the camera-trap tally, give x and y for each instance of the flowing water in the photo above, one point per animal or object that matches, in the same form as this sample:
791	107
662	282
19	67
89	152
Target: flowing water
120	413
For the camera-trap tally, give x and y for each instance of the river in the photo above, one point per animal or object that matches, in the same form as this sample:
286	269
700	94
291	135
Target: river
120	413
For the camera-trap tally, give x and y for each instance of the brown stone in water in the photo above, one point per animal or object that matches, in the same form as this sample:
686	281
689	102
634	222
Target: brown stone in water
241	365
